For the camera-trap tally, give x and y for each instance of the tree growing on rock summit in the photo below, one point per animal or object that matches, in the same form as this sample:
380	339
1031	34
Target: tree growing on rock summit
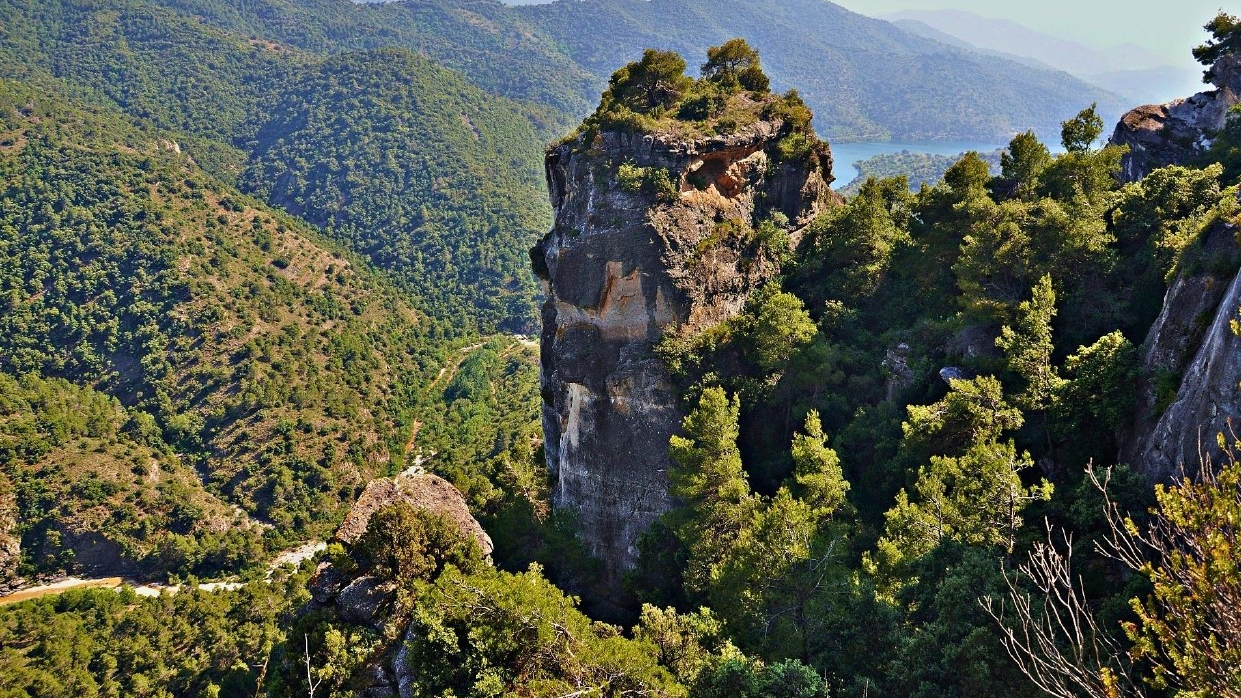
654	83
734	66
1225	39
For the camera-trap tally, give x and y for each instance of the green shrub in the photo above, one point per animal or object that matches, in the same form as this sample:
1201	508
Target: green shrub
653	181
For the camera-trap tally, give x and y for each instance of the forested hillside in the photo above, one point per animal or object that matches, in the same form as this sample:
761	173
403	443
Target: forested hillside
277	366
212	71
451	204
255	256
865	78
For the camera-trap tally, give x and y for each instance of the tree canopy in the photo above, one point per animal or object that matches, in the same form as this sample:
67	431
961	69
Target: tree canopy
735	65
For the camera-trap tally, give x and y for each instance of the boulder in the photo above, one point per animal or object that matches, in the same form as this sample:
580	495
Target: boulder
361	601
421	490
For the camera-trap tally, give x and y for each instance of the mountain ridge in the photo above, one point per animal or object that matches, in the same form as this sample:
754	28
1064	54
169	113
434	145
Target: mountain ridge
865	63
1127	69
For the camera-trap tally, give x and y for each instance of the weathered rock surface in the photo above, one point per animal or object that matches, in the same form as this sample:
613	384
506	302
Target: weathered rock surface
421	490
363	599
1192	339
899	375
1178	132
620	270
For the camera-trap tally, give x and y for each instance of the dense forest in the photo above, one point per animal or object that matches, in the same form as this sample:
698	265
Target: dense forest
465	187
212	70
255	255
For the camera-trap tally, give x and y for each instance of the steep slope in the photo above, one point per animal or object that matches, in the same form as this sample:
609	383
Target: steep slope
401	160
864	78
1207	402
275	365
172	70
495	48
454	202
97	490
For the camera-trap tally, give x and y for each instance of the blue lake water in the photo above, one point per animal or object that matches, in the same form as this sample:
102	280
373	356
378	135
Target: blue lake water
845	154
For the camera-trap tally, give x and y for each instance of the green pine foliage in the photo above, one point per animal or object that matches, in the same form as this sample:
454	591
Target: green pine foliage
80	466
862	549
201	379
401	160
278	367
498	633
461	195
97	643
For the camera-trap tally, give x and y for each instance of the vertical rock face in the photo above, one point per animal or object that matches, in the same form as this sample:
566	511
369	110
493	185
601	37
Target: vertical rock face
626	264
1193	343
1177	132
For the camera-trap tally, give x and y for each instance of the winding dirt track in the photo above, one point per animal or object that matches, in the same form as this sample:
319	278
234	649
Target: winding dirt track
293	556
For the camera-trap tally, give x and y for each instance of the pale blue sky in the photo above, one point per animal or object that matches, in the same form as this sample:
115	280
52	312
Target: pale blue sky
1167	27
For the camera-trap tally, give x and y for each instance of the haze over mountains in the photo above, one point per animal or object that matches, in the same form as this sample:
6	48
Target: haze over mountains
1129	70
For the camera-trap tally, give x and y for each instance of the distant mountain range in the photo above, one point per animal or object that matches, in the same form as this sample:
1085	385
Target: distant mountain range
866	79
1128	70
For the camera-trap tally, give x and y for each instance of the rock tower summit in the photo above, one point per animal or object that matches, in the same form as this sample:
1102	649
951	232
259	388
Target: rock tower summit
654	233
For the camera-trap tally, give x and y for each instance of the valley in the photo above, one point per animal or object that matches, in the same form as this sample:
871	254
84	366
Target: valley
607	348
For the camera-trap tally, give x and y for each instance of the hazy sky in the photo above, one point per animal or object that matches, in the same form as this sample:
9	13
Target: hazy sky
1167	27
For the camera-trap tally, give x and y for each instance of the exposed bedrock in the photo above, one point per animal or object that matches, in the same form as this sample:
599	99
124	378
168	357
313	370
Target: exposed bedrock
622	266
1193	349
1180	131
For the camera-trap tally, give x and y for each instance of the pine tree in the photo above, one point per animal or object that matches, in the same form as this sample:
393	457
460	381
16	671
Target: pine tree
1027	347
817	469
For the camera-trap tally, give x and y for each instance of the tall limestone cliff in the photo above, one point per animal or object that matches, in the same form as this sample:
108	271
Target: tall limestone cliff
653	234
1178	132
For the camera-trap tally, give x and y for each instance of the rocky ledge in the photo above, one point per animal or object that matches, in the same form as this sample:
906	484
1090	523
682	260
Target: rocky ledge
1180	131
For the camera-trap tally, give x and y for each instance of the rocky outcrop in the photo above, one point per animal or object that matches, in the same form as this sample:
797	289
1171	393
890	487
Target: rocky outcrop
622	267
422	491
1178	132
366	600
358	599
898	375
1192	347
